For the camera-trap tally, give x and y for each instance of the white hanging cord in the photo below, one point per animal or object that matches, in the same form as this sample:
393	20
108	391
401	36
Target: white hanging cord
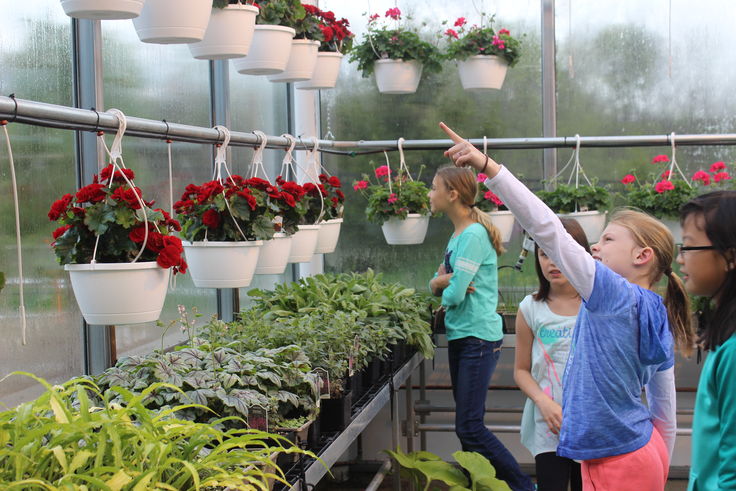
257	162
287	164
220	165
22	306
402	161
673	163
388	166
315	168
169	141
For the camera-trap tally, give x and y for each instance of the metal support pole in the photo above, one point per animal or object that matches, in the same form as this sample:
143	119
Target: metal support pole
409	423
375	483
423	400
549	86
395	432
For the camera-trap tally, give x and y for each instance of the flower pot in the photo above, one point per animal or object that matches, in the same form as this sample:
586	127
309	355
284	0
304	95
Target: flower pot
482	72
412	230
119	293
335	414
173	21
274	255
326	71
302	60
102	9
222	264
269	51
593	223
504	222
229	33
674	225
329	233
397	76
303	244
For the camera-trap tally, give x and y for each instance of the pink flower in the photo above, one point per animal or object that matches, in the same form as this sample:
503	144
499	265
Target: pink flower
628	179
717	166
393	198
460	22
496	40
451	33
721	176
482	177
666	174
501	46
360	185
504	31
373	17
394	39
660	158
703	176
383	171
490	196
663	186
394	13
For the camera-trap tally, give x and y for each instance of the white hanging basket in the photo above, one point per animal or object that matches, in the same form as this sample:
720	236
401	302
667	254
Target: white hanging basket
398	76
326	71
504	222
329	233
173	21
226	264
229	33
302	61
482	72
102	9
274	255
593	223
304	243
269	52
410	231
119	293
674	225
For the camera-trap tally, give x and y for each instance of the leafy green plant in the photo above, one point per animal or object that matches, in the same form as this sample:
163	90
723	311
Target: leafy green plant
662	199
402	197
337	38
76	437
286	13
310	26
426	468
566	198
481	40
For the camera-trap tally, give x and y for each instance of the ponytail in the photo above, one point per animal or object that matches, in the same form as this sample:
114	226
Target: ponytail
493	233
678	310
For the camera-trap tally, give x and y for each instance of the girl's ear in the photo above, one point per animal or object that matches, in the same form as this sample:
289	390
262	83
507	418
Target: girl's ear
644	256
453	195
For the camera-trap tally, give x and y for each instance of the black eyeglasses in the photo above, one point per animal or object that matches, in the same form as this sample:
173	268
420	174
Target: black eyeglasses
681	248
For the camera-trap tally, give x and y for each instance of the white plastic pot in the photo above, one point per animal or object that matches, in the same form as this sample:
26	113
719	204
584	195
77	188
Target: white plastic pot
398	76
674	225
215	264
302	60
119	293
102	9
410	231
326	71
229	33
304	243
274	255
269	52
329	233
482	72
504	222
593	223
173	21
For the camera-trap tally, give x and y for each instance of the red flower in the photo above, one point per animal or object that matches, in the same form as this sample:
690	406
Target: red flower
289	199
169	257
460	22
137	234
327	32
123	193
340	194
118	177
721	176
663	186
334	182
717	166
60	231
504	31
490	196
183	207
258	183
293	189
628	179
168	221
360	185
394	13
329	15
335	202
245	194
451	33
60	207
208	190
383	171
311	9
703	176
211	218
666	174
91	193
392	198
660	158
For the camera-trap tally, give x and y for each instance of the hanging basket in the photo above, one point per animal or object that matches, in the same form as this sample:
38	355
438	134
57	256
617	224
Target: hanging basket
504	222
119	293
482	72
398	76
329	233
229	33
214	264
269	51
102	9
592	222
173	21
302	60
675	227
304	243
410	231
326	71
274	256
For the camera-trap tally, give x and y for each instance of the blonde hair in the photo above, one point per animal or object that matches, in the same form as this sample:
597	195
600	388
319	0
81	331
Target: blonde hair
650	232
463	180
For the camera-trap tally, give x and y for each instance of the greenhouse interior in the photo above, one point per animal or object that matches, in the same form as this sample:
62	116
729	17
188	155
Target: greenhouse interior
239	250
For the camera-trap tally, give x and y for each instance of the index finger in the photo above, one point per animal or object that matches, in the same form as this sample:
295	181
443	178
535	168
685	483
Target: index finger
454	136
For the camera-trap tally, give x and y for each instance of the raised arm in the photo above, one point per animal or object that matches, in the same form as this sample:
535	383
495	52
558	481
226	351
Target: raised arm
533	215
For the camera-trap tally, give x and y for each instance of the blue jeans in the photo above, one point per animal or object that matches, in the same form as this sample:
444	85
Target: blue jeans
472	361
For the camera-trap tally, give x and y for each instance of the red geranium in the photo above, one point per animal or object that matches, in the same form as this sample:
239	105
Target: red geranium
211	218
702	176
60	207
628	179
91	193
663	186
717	166
118	177
721	176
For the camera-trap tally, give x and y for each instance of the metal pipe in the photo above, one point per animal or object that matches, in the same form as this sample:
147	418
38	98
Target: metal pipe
507	428
420	408
422	400
549	87
409	424
379	477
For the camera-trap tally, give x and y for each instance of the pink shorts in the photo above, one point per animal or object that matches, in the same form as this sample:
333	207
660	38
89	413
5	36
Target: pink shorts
645	469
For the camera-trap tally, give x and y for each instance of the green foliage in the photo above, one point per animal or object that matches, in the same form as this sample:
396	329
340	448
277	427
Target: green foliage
665	204
310	25
485	41
75	437
566	198
280	12
394	44
404	196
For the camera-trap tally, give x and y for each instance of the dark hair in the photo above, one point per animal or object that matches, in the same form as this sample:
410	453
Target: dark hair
576	231
718	210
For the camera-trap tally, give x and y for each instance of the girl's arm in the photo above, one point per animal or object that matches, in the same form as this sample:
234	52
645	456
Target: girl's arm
551	410
470	255
439	283
662	400
533	215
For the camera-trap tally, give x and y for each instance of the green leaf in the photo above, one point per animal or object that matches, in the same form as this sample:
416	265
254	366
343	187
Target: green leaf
480	469
125	216
97	218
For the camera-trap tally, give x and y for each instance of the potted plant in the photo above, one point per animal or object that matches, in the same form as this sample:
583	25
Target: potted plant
225	223
289	209
332	218
338	40
483	54
102	9
173	21
491	204
396	54
271	47
400	205
118	250
229	32
304	47
304	242
585	203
